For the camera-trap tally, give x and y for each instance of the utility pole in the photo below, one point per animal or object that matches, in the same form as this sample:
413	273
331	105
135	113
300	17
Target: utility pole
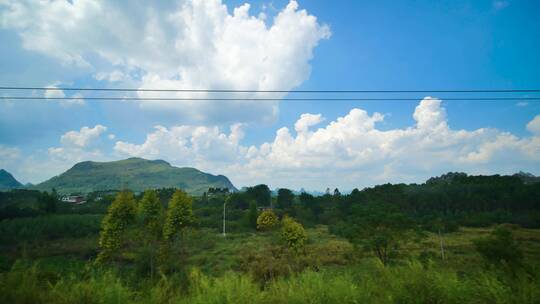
441	244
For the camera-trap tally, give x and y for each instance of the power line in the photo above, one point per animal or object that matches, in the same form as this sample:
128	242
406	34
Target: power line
270	91
5	98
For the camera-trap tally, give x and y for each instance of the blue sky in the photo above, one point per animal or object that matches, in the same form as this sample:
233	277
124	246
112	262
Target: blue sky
411	45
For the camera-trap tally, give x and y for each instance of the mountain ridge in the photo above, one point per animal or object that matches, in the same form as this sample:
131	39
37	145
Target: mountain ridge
137	174
7	181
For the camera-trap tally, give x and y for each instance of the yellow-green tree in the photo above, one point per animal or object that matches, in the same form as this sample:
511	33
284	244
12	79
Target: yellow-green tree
150	212
267	220
150	219
293	233
120	214
179	215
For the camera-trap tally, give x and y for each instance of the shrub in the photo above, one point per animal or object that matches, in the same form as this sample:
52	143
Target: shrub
500	248
293	234
267	220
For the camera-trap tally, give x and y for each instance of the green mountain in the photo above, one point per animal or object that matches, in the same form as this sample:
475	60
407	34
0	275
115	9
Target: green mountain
136	174
7	181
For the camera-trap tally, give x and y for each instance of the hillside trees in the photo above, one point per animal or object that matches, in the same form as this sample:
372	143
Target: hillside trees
48	202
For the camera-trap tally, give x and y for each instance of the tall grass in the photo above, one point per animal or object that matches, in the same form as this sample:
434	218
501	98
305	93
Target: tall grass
369	282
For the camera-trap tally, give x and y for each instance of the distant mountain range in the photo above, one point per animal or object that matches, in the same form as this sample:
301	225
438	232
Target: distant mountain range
7	181
136	174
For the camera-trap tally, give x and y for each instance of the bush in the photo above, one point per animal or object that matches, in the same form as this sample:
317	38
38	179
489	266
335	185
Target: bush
267	220
500	248
293	234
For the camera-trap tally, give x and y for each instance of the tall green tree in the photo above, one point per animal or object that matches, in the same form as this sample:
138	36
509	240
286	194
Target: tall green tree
179	215
252	215
260	193
47	203
150	218
120	214
285	199
150	212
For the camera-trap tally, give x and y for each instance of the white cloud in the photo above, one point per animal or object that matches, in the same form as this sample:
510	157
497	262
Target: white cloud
54	93
534	125
306	121
114	76
8	156
193	44
58	93
82	138
348	152
78	146
186	145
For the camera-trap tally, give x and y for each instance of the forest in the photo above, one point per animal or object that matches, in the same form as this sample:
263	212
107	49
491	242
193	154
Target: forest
453	239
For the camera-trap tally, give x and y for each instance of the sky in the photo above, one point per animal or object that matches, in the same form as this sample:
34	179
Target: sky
273	45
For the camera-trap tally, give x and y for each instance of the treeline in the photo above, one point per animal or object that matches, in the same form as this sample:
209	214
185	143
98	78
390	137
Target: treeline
454	198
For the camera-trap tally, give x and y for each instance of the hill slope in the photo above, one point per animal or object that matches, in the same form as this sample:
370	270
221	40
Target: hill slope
7	181
136	174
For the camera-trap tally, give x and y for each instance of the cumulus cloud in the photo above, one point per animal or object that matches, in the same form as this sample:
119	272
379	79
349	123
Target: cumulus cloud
79	145
82	138
307	120
194	44
534	125
188	145
348	152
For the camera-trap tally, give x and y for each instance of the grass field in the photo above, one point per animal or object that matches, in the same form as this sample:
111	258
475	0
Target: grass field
215	254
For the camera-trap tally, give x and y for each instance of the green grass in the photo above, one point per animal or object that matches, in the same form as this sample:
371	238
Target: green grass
229	270
367	282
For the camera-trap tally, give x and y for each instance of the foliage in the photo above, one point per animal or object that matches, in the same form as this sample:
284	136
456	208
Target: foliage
179	214
47	202
293	233
48	227
500	248
285	199
252	215
261	194
381	230
366	283
267	220
150	212
120	214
